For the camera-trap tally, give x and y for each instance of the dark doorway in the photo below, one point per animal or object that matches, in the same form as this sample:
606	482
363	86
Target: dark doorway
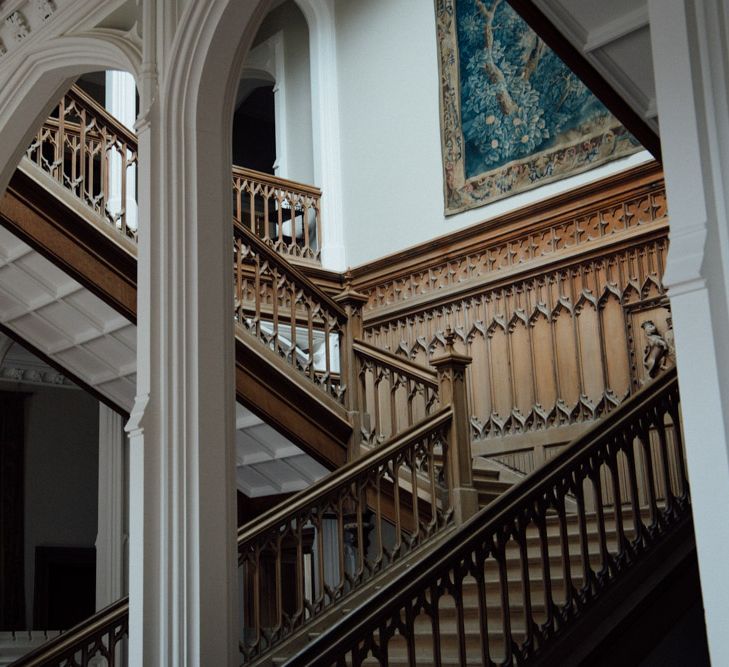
65	586
254	131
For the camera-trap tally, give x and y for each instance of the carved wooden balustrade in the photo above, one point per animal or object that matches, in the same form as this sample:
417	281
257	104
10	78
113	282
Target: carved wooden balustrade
102	637
394	393
91	154
299	559
523	571
284	214
286	312
561	307
359	521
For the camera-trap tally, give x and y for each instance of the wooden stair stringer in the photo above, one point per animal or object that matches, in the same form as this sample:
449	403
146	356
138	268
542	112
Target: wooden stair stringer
42	214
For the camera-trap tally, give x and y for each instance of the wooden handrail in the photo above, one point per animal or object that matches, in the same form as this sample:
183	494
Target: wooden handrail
341	477
276	181
289	269
505	523
77	164
79	96
407	368
111	620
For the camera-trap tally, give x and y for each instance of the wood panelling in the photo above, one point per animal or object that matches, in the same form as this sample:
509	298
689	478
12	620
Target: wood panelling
557	317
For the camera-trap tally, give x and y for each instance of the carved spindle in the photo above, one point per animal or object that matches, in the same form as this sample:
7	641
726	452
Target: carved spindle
451	369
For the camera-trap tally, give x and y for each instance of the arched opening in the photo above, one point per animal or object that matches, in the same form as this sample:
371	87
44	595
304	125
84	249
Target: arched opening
275	93
68	153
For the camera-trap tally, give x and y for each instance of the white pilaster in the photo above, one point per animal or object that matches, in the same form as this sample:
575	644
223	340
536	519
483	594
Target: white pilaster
111	538
182	555
325	125
691	62
120	102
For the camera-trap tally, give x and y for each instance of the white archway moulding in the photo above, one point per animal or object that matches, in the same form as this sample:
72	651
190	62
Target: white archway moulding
183	507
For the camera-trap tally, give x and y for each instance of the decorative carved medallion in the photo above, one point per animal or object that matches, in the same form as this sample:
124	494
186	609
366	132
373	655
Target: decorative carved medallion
18	25
46	9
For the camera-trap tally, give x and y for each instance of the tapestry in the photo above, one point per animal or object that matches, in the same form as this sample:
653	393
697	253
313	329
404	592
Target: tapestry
513	115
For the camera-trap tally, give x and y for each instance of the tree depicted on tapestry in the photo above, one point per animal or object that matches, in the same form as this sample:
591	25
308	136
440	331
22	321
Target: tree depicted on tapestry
513	115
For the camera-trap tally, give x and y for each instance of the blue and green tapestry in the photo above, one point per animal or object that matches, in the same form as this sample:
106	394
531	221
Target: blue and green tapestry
513	116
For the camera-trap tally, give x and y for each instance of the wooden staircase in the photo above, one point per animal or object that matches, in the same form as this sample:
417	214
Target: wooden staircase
410	578
73	240
543	574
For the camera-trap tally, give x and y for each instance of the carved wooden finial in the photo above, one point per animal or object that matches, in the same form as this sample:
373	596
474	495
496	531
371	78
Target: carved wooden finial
450	339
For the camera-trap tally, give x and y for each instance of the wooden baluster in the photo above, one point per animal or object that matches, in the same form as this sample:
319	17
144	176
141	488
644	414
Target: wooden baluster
349	365
124	212
579	492
622	544
305	207
105	148
659	423
278	592
434	520
600	519
451	369
61	142
641	433
318	521
317	251
238	205
673	408
626	446
541	521
310	338
435	625
501	560
378	520
340	587
522	524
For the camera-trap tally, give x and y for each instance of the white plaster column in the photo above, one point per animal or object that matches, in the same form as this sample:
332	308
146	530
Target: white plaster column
182	509
691	64
120	102
111	537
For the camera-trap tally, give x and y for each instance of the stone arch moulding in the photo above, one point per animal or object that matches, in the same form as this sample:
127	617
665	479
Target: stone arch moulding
43	74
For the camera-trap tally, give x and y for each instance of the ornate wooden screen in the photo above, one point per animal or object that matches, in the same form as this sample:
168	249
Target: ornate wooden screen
561	307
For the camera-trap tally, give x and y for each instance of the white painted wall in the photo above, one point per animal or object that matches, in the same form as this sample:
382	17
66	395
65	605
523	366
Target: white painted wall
390	131
61	474
290	22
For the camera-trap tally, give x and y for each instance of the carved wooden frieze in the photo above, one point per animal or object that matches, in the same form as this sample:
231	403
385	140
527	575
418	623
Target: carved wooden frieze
560	347
503	250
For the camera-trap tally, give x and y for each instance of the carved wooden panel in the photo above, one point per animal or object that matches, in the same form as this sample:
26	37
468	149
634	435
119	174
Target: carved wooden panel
556	348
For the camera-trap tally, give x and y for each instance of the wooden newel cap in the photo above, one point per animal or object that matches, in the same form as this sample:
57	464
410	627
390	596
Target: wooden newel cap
350	296
450	357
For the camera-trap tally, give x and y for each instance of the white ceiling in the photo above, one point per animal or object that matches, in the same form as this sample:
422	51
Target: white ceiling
78	331
614	36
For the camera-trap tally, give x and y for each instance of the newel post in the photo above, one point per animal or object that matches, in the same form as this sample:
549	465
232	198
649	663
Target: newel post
451	369
352	302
